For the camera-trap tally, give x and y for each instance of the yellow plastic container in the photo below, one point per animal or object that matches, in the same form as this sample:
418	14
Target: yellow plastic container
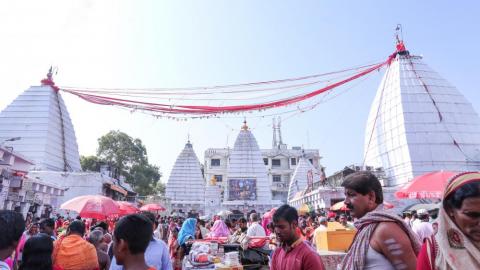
336	238
220	266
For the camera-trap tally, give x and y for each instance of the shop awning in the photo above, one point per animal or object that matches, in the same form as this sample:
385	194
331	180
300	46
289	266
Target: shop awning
118	189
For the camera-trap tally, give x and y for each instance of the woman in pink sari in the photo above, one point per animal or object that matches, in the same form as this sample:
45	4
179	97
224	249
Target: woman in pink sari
219	229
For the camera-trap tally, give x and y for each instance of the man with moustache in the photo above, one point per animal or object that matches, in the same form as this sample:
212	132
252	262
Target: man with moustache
293	253
383	240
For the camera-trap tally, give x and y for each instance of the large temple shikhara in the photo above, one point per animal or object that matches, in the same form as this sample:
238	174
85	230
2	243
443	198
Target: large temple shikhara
419	123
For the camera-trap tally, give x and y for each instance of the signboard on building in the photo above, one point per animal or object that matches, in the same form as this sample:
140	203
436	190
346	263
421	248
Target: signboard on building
242	189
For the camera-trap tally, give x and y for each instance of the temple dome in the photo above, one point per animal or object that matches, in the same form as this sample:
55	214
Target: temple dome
186	184
246	163
299	181
39	116
420	123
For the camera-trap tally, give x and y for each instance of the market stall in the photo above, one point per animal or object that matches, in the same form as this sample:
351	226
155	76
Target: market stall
219	253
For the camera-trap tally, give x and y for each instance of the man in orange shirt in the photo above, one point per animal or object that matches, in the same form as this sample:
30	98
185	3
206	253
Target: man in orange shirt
72	252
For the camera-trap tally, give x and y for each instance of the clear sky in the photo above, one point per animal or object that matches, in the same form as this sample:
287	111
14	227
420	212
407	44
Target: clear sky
196	43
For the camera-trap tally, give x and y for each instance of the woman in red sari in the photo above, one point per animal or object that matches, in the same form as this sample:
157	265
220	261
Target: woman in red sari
456	245
172	243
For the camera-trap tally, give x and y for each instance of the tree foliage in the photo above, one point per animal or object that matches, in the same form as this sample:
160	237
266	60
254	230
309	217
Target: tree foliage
126	157
160	188
90	163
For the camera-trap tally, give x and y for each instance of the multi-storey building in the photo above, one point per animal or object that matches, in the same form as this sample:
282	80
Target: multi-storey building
280	162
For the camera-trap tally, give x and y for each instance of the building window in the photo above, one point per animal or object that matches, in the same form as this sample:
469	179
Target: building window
276	163
215	162
265	161
276	178
311	161
293	161
219	178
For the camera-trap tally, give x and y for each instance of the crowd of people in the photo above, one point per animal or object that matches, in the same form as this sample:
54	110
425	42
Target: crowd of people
144	241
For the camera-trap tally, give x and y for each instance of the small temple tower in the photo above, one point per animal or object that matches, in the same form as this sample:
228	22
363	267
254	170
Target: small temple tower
41	120
302	176
186	186
419	123
247	176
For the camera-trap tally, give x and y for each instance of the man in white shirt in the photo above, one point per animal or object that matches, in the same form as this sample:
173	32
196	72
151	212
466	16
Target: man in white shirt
255	228
423	228
321	228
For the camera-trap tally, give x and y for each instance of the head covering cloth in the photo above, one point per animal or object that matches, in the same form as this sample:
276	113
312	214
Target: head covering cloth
187	231
453	249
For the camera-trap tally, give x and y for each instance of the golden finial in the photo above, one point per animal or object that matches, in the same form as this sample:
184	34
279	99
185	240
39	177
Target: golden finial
245	127
213	180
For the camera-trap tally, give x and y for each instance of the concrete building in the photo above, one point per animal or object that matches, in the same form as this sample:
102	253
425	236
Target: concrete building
420	123
73	185
280	163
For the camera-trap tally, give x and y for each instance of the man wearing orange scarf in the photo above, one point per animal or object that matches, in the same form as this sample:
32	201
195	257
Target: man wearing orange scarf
73	252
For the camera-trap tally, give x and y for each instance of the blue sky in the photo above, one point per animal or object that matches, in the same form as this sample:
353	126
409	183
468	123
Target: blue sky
196	43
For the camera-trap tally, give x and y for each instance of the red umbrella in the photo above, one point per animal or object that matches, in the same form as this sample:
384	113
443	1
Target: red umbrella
426	186
92	206
153	207
126	208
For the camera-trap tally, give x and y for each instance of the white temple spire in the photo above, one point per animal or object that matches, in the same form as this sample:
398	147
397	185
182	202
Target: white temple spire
301	176
40	117
186	185
247	175
419	123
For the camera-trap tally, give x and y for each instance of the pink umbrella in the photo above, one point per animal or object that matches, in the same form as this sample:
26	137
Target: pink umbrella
426	186
92	206
126	208
152	207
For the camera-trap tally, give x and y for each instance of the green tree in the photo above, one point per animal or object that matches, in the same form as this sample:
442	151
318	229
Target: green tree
121	151
90	163
126	157
144	178
160	188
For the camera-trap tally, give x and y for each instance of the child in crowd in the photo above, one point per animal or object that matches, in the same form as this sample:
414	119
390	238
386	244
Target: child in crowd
131	238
